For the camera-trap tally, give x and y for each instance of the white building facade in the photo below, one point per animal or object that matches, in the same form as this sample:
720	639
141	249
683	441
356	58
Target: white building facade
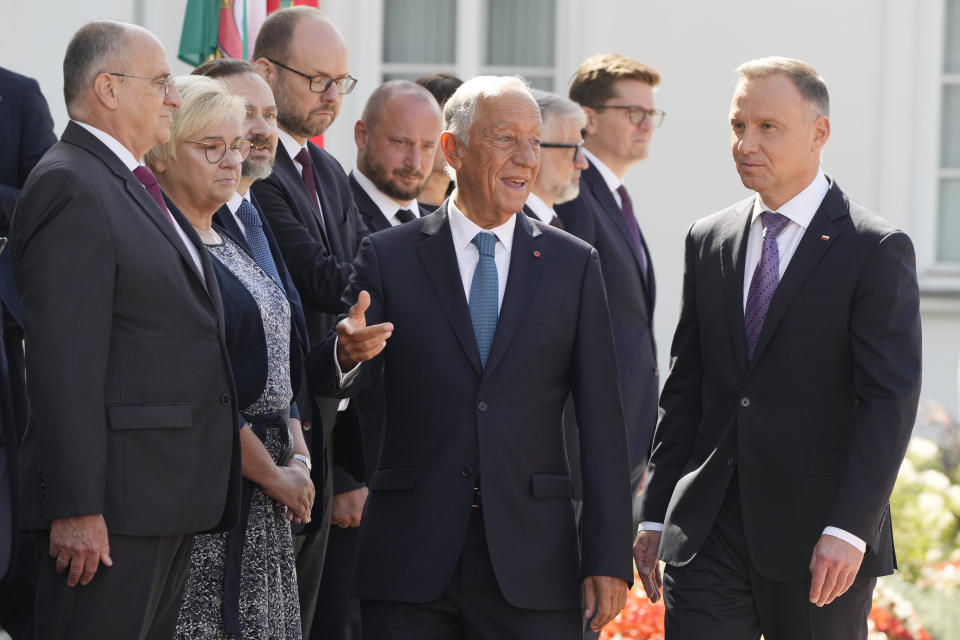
892	66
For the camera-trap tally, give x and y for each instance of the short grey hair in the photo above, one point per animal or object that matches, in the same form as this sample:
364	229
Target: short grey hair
460	112
94	46
556	106
804	77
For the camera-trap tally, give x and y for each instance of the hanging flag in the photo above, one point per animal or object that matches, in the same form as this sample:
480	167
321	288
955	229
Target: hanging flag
198	38
228	39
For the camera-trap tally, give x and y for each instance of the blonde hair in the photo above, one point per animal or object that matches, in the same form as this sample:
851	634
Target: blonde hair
206	102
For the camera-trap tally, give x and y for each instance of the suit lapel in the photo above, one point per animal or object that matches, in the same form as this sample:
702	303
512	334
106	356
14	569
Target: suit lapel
733	257
75	134
228	225
610	208
440	263
368	208
331	214
809	252
526	267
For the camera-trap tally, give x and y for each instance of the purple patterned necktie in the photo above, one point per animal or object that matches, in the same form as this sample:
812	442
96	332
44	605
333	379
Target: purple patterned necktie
149	182
766	277
626	210
303	157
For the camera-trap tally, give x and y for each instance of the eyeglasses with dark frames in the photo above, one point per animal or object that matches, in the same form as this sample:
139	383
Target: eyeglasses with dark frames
637	114
165	80
214	149
577	147
320	84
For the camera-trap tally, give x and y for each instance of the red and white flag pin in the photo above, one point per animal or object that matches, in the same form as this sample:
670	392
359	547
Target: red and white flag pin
824	237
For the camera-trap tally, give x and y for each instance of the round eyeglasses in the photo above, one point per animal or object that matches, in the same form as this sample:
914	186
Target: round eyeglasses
214	149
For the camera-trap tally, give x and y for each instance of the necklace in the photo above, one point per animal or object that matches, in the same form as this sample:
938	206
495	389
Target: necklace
208	236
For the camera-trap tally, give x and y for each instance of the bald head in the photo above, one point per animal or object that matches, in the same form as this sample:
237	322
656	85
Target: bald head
99	46
397	138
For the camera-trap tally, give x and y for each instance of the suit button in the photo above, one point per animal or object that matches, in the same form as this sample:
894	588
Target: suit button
656	373
224	399
307	425
481	406
466	472
744	402
731	461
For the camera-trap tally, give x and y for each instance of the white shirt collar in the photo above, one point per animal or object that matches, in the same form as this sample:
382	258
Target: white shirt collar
540	209
387	205
464	229
125	155
613	182
233	204
802	207
291	146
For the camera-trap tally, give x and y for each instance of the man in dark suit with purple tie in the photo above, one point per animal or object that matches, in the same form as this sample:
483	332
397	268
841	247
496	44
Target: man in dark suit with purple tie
792	394
617	96
132	444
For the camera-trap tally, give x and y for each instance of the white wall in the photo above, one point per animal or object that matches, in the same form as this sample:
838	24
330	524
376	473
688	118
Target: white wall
879	58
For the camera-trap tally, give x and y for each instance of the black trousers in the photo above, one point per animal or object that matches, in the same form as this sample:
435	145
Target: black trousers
720	595
471	607
338	613
137	598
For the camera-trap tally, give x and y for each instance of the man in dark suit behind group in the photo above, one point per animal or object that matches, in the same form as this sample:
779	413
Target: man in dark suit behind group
616	94
132	441
494	319
26	129
793	392
397	137
309	204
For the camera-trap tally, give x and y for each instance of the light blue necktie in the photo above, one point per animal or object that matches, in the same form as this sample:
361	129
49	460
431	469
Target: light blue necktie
483	294
257	240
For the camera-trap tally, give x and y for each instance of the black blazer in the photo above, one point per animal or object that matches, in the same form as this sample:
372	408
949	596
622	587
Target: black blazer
372	215
129	381
595	217
448	420
817	422
26	129
227	224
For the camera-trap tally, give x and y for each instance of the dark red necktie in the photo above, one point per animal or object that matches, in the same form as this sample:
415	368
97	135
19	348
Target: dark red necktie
149	181
626	210
304	159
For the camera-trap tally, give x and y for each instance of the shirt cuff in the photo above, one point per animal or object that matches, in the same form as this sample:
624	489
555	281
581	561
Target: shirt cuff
345	378
847	537
650	526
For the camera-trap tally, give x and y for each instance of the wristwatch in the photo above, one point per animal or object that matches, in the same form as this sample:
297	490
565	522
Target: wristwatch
304	459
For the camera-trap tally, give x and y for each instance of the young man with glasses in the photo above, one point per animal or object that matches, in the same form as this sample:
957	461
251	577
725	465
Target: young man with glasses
309	204
616	93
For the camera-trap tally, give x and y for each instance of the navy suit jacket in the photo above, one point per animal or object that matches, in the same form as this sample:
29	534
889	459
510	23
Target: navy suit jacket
320	262
816	423
595	217
449	419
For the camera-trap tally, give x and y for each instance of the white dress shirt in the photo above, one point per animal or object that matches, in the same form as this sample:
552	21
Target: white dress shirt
800	209
540	209
612	180
126	157
387	205
463	230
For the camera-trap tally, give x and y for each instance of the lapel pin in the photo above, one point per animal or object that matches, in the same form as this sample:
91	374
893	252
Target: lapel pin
536	254
824	237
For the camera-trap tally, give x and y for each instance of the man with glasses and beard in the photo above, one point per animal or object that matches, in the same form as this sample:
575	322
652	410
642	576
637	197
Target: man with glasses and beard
309	204
397	137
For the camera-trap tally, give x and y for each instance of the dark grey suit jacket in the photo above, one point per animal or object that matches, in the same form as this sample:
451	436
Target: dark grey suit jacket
132	412
817	422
